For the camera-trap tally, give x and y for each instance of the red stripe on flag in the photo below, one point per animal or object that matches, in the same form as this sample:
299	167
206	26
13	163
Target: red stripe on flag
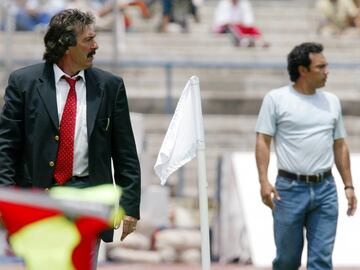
16	216
89	228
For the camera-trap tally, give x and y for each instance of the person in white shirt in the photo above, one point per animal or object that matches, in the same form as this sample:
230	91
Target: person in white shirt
309	135
237	18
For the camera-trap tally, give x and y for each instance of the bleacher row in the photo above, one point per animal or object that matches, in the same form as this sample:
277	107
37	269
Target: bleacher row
233	80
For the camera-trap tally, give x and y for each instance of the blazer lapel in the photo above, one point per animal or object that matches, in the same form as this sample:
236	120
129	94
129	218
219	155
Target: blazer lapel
47	91
93	98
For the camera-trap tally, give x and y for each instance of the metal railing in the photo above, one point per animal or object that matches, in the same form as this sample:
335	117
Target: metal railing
170	65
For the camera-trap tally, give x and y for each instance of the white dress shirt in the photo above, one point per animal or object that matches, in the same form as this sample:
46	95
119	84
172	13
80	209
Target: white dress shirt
81	163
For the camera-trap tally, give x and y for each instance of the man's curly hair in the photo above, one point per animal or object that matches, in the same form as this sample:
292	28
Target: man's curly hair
62	32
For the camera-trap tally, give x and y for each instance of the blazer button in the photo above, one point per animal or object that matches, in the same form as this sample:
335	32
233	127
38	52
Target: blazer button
56	137
51	163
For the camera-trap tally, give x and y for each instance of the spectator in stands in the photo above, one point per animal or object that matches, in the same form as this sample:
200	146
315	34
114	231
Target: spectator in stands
335	16
309	133
32	14
237	18
166	14
104	13
194	9
177	11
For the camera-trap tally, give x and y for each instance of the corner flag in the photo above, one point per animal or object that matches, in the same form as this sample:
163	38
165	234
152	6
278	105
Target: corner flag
183	141
184	134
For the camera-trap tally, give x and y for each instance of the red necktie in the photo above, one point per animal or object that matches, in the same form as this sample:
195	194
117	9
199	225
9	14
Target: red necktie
65	155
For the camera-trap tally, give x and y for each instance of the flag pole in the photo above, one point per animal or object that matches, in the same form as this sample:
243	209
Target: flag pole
202	179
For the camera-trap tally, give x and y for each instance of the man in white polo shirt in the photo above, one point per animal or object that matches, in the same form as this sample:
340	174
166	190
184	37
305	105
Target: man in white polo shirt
308	131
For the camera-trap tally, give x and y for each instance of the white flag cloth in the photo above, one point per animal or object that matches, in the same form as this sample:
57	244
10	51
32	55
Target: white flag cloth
182	136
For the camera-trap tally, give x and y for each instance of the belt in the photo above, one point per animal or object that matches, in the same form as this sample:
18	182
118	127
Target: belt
83	178
315	178
76	181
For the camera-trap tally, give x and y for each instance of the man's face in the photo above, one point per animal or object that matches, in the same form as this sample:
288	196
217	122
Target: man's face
318	70
81	55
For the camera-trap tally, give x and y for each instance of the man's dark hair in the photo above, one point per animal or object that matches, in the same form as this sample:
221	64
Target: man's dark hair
300	56
62	32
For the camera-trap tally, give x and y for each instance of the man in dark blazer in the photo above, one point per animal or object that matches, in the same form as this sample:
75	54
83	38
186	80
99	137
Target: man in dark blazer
31	121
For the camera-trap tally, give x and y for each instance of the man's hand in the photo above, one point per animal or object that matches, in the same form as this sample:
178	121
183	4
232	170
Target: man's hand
262	154
267	192
342	161
352	201
129	226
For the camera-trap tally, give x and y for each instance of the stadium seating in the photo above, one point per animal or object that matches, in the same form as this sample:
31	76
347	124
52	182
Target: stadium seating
233	80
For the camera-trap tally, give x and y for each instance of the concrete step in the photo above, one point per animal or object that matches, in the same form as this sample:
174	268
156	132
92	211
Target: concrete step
192	46
226	104
240	96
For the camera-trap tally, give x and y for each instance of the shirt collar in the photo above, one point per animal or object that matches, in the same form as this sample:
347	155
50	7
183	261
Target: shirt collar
59	73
